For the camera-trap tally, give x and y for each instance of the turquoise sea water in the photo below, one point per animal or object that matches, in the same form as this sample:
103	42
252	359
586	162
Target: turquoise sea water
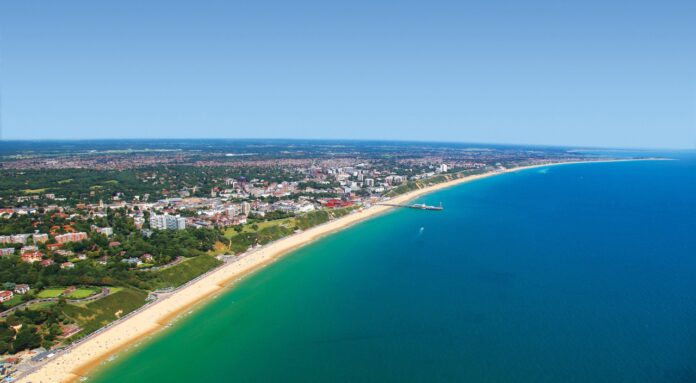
574	273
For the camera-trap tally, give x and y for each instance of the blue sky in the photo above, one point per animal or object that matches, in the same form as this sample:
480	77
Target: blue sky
592	73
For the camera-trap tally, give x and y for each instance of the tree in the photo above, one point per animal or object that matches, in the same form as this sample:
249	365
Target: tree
27	339
4	347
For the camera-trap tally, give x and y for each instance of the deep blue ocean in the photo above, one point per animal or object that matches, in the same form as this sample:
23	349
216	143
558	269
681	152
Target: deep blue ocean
573	273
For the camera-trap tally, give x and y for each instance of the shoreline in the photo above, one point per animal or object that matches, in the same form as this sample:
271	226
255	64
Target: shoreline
86	355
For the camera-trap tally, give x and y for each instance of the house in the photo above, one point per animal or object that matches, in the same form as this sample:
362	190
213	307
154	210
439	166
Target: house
21	289
67	265
103	260
114	243
31	256
132	261
47	262
54	246
107	231
148	258
64	253
5	296
7	251
82	256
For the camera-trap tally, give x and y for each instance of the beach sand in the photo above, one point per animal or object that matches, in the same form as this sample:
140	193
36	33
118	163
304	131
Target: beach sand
74	363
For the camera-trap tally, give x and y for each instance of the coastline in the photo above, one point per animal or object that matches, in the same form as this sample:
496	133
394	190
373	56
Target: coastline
77	360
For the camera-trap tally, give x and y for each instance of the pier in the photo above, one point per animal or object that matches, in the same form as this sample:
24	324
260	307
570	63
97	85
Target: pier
419	206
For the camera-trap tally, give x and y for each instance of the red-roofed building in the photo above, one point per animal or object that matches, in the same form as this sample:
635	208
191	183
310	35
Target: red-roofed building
335	203
31	256
67	265
5	296
47	262
54	246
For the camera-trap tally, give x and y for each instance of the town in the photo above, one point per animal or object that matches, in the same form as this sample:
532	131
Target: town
81	246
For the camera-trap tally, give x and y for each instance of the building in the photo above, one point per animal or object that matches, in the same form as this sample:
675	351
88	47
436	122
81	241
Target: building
369	182
40	238
31	256
5	296
394	180
16	238
443	168
71	237
132	261
21	289
53	246
47	262
167	222
107	231
7	251
64	253
246	208
67	265
336	203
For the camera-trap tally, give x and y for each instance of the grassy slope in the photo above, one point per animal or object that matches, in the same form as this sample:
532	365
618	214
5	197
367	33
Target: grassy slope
184	271
93	315
269	231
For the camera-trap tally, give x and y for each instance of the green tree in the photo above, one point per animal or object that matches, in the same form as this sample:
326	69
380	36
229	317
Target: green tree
4	347
27	339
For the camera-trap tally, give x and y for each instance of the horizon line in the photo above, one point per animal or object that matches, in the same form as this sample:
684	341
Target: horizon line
2	140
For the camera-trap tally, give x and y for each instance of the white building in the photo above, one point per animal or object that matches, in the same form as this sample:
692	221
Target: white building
7	251
107	231
246	208
167	222
17	238
394	180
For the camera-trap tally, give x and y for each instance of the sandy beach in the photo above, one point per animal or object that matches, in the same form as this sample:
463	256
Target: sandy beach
75	362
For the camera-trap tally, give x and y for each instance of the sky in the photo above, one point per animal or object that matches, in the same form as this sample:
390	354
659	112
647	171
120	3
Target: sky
586	73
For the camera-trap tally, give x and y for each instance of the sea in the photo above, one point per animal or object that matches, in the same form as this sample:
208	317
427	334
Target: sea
571	273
